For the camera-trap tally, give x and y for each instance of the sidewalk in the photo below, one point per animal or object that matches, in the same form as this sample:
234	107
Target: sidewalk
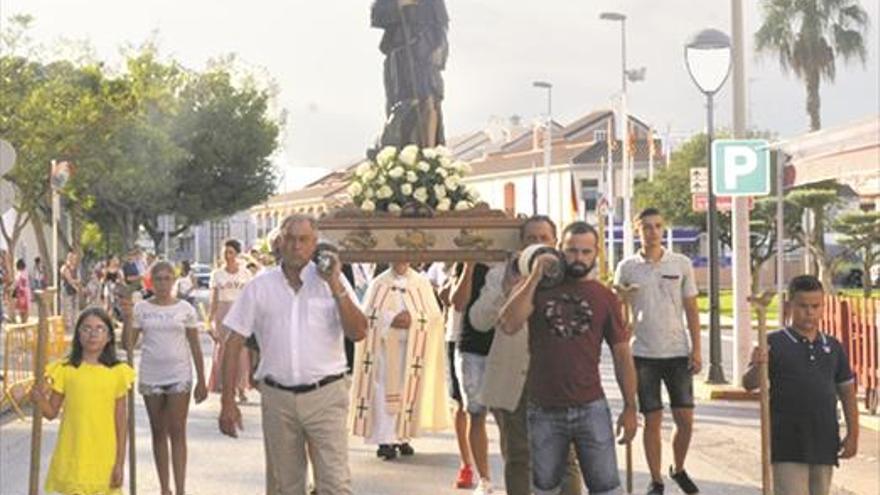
724	458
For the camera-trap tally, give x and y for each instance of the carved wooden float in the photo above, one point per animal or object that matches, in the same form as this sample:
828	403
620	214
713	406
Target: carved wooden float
420	235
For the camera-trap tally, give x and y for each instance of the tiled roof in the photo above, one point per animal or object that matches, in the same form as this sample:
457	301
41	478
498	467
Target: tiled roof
496	163
599	152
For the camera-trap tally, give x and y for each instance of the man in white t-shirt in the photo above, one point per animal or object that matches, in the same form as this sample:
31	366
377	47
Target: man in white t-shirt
299	317
664	350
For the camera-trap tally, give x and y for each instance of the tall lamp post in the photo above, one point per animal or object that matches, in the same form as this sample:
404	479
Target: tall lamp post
707	56
626	167
548	135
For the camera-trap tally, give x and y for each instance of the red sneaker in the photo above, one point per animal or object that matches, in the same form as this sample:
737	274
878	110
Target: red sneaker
465	477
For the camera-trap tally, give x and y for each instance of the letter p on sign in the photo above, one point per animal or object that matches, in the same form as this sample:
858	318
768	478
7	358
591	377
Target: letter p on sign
740	167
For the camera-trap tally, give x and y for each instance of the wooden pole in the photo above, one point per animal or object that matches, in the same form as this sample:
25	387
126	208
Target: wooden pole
625	292
43	297
760	304
128	342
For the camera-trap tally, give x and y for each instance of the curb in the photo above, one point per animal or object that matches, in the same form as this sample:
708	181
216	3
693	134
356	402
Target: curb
708	391
869	421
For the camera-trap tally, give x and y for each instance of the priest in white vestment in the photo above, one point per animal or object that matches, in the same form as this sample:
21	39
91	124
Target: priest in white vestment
399	378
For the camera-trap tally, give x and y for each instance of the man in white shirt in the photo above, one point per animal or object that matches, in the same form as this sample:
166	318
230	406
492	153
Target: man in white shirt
299	317
664	349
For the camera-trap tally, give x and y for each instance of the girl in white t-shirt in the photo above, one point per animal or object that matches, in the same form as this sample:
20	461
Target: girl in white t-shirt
226	284
169	329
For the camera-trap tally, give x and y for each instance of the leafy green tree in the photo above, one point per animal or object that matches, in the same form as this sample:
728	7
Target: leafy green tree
808	36
861	231
821	203
670	192
155	139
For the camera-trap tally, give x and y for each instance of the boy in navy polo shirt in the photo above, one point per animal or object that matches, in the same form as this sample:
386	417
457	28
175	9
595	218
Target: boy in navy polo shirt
809	372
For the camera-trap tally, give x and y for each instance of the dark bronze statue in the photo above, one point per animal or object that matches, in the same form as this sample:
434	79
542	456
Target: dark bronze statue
415	49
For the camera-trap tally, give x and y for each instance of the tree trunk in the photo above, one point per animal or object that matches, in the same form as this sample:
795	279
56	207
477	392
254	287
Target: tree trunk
813	100
867	263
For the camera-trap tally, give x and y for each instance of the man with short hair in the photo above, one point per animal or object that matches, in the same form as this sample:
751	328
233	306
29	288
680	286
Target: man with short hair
299	316
507	367
809	372
665	352
567	324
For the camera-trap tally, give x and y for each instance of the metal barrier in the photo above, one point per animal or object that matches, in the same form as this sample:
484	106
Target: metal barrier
854	321
19	351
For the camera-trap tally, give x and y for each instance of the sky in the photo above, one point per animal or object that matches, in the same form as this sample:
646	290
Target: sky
324	57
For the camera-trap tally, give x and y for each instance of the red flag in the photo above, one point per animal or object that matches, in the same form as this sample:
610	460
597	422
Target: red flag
612	139
575	210
631	146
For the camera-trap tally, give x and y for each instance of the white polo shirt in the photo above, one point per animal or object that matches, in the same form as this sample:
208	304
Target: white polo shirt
300	333
659	327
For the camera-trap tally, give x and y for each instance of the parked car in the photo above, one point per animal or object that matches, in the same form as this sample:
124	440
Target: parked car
202	272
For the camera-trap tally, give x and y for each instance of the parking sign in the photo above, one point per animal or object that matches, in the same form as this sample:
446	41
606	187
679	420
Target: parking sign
740	167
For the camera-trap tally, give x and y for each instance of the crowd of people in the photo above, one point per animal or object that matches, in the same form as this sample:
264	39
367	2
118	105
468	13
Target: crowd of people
388	353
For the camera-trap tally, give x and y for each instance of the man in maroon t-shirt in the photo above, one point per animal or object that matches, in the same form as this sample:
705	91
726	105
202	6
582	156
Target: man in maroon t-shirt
567	325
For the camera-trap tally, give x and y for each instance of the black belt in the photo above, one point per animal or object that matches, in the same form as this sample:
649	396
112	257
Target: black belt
301	389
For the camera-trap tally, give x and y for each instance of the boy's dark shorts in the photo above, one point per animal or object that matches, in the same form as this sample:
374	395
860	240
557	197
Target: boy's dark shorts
675	373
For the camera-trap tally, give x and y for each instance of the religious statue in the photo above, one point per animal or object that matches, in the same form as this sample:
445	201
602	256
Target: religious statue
415	49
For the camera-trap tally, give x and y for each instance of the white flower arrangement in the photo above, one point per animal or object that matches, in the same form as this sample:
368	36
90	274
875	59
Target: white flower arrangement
395	178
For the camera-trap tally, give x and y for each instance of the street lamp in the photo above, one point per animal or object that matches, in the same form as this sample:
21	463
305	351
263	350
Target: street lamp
707	56
634	75
548	135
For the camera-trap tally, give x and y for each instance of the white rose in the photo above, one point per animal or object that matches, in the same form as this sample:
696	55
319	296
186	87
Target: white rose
429	153
380	179
423	166
411	176
355	189
473	193
370	175
421	194
396	172
442	172
386	155
452	182
394	207
444	204
409	154
406	189
443	151
363	168
369	192
384	192
445	161
368	205
440	191
463	205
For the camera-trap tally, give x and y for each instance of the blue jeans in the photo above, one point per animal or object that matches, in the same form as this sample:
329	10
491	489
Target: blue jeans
589	427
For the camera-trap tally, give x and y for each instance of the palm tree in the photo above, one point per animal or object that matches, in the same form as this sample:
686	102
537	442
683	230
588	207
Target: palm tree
807	35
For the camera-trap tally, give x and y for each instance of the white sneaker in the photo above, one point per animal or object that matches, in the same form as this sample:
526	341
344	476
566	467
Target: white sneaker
484	487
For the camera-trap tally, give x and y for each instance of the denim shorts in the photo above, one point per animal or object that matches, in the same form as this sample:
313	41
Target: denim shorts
471	371
183	387
675	373
588	426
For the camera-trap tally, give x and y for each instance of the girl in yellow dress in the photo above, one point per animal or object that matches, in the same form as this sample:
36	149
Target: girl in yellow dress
92	385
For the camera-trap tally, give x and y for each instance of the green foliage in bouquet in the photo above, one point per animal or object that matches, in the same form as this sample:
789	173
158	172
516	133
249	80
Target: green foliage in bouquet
397	178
